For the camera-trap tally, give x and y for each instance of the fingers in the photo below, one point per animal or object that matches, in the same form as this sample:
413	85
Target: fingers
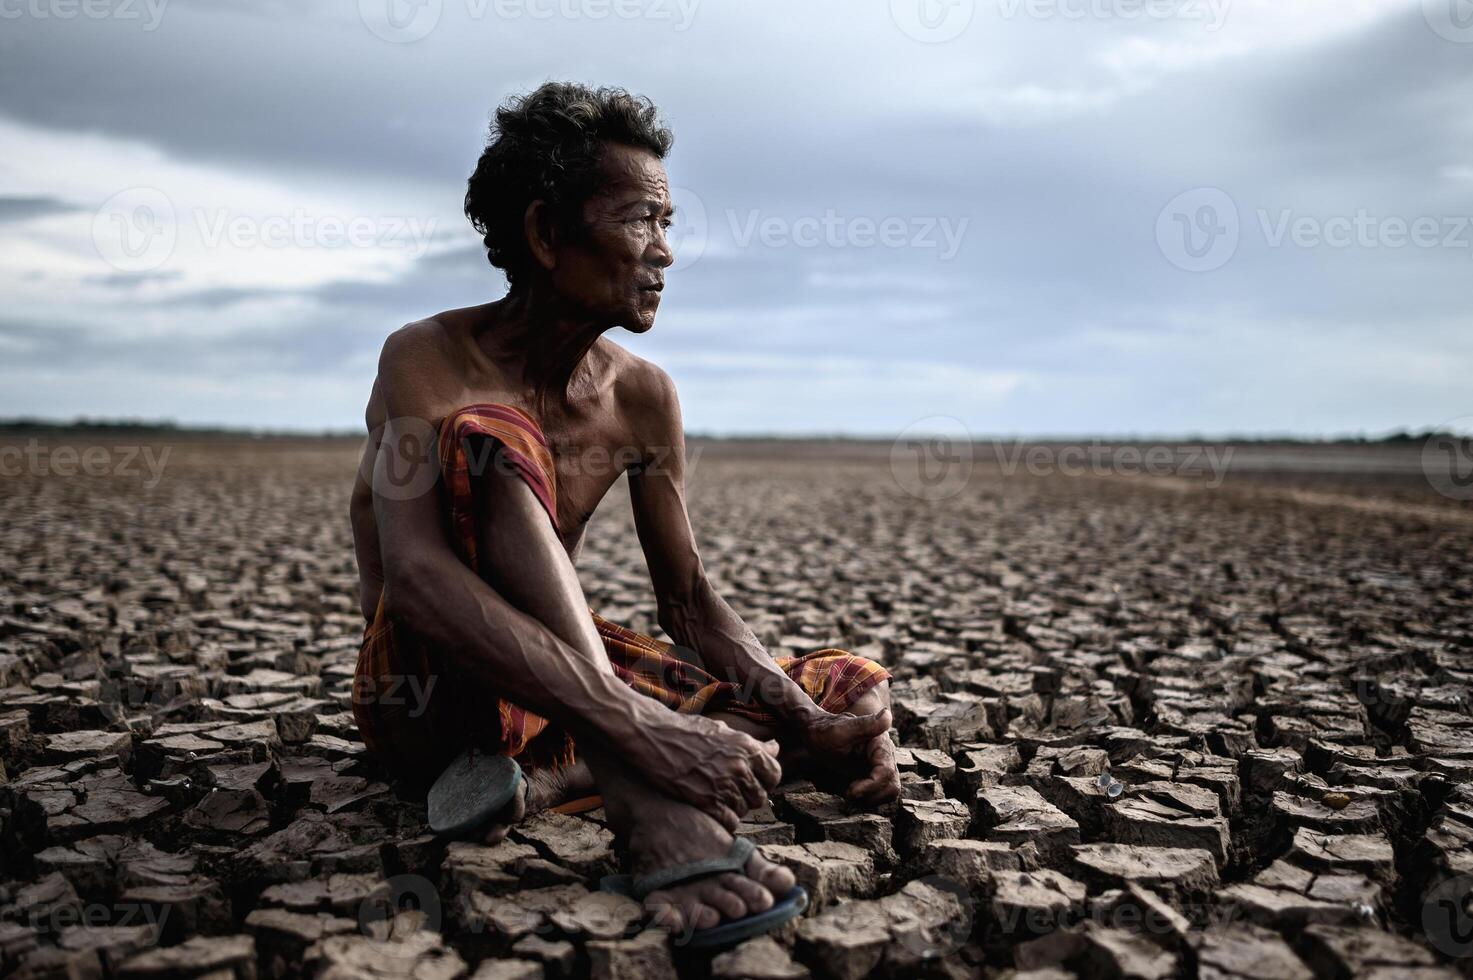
754	793
882	784
766	767
725	816
864	726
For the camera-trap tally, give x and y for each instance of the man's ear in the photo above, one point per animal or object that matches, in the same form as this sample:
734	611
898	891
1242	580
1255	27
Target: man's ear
537	226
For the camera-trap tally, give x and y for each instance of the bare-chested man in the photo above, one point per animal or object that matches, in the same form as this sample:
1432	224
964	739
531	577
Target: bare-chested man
530	414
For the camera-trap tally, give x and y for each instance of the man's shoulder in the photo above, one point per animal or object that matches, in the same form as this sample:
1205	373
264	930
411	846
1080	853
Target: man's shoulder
637	381
416	363
418	341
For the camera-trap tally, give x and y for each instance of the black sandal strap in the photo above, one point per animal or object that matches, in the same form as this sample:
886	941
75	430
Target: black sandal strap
735	860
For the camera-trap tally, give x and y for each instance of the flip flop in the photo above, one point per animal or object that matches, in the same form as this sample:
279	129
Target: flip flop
787	908
471	791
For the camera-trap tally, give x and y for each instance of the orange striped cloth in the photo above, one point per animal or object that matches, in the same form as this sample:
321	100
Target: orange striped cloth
415	719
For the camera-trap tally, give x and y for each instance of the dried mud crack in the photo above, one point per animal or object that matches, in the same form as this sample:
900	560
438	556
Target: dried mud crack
1145	730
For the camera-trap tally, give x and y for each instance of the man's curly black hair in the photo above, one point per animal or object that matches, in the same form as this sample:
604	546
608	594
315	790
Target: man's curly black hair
546	145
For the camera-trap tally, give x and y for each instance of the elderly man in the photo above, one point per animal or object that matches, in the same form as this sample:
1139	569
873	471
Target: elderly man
528	414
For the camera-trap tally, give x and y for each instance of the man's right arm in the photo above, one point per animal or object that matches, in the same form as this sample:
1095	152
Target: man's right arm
499	647
428	589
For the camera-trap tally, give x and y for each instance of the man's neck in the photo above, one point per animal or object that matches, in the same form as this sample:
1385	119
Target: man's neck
531	333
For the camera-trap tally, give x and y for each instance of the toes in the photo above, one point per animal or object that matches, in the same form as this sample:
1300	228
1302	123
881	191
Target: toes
774	877
721	896
680	912
753	895
665	912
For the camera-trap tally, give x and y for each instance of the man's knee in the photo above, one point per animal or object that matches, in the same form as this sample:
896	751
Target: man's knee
877	698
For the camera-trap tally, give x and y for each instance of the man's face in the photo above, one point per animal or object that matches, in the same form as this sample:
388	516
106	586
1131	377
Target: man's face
615	269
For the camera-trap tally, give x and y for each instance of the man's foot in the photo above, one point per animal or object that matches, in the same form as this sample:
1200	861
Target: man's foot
540	789
664	833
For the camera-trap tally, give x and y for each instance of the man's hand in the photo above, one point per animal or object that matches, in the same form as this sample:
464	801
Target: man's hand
713	767
858	744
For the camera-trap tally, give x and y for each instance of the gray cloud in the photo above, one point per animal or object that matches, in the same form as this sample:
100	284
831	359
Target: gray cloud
1057	282
25	208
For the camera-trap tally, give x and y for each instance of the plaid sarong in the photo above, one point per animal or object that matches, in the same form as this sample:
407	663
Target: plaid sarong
415	719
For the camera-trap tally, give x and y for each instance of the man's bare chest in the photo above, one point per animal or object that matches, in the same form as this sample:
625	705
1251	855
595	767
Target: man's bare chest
587	460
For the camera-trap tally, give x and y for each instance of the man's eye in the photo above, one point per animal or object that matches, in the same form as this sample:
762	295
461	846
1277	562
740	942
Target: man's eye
666	223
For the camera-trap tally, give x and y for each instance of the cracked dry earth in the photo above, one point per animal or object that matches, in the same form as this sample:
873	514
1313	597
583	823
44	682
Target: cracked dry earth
1148	729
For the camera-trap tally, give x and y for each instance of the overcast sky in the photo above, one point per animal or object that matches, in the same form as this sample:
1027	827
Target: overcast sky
1032	216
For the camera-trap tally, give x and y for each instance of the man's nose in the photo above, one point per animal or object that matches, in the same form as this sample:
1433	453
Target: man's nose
660	254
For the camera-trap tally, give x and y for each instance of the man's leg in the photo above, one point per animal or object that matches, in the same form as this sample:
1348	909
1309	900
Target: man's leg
522	558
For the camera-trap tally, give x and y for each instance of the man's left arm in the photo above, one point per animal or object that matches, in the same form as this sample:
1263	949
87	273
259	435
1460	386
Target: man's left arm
689	608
